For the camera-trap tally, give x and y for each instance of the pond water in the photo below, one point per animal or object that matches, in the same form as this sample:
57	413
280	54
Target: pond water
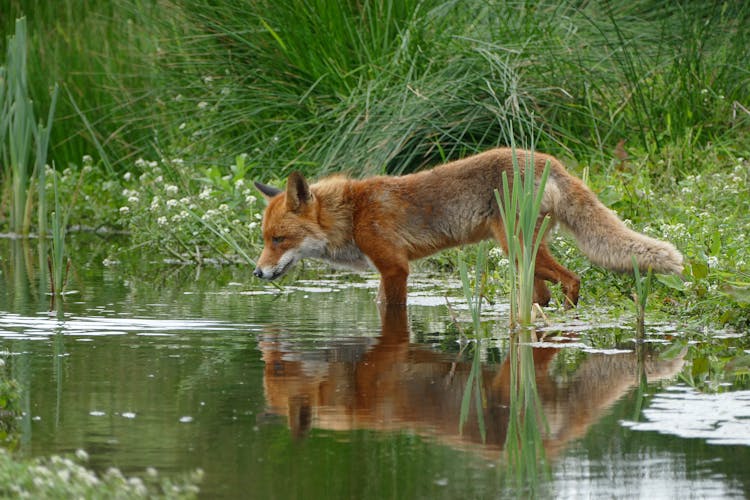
308	391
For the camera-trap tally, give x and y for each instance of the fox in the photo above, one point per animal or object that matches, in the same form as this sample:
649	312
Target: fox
363	386
386	222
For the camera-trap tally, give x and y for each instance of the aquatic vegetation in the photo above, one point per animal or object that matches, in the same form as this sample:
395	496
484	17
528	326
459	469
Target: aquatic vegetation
66	477
520	208
24	137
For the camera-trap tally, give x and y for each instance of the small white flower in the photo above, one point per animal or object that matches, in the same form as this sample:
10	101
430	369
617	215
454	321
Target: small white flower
239	183
140	163
161	220
124	210
205	193
182	126
127	176
224	207
250	199
171	189
252	226
172	203
202	105
133	199
88	160
713	261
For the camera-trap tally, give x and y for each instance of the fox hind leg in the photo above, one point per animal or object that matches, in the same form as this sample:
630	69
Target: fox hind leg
546	268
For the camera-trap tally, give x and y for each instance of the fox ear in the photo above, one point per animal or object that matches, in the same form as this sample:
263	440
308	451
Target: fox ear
268	192
297	192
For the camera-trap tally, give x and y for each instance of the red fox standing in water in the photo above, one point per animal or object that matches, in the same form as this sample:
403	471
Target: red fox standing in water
386	222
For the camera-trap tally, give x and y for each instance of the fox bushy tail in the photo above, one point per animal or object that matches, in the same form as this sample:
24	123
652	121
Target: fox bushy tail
601	235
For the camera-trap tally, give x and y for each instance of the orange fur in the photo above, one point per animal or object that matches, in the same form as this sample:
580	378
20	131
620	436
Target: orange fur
389	221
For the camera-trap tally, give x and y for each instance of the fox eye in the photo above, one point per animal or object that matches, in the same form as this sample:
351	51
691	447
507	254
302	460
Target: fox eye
277	240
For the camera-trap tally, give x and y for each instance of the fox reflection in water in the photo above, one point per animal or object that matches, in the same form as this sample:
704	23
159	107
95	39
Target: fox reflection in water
392	385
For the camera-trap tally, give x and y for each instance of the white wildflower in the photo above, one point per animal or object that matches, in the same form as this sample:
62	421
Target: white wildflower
161	220
127	176
171	189
124	210
202	105
172	203
133	199
140	163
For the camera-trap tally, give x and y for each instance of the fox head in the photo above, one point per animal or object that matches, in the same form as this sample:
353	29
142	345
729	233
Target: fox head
290	228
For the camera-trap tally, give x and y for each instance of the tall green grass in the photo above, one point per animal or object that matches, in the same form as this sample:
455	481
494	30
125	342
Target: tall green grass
102	53
370	86
332	85
20	136
520	207
17	120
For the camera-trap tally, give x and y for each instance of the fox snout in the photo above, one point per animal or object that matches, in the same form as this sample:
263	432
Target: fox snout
271	273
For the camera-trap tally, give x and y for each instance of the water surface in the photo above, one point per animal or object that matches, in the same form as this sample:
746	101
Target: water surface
309	392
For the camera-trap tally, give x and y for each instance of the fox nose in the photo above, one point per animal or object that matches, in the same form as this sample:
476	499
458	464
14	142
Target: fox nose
258	273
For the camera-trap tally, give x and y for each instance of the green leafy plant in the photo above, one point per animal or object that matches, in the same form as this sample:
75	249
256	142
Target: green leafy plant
640	297
520	208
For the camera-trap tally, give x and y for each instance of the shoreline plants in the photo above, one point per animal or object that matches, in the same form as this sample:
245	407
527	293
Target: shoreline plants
649	99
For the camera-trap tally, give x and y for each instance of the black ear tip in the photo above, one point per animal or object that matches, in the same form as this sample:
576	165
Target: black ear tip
296	177
267	191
